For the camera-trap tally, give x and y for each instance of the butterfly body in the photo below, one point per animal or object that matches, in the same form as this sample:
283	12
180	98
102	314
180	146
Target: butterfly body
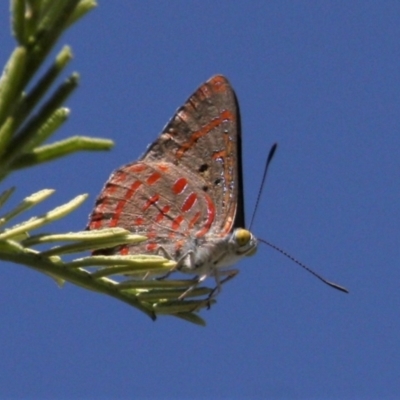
212	256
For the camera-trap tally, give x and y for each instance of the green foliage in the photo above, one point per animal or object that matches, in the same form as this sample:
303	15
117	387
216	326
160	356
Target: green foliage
31	111
29	117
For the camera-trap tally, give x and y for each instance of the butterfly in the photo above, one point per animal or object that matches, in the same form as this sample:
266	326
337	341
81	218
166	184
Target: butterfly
185	194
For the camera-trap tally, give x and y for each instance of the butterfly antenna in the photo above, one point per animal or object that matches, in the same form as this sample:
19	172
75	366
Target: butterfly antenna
270	156
331	284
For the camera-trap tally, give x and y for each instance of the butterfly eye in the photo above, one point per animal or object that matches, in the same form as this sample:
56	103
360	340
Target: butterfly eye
243	237
246	242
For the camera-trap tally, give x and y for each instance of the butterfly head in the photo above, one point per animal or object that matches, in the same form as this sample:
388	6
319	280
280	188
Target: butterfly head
245	241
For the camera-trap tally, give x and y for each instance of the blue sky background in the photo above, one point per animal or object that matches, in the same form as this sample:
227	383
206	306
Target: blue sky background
322	80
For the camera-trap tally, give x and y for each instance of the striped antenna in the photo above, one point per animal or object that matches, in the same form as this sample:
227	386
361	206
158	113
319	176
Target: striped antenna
331	284
269	158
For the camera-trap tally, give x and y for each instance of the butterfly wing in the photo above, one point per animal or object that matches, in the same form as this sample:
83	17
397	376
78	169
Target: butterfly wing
204	136
188	184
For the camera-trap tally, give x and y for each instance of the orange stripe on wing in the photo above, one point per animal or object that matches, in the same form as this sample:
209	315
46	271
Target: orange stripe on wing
193	221
151	201
121	204
219	84
189	202
210	217
179	186
153	178
224	116
162	213
151	246
136	168
176	223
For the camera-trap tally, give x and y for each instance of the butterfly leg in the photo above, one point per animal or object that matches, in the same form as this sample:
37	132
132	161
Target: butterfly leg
163	252
228	275
196	281
179	265
160	252
180	262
